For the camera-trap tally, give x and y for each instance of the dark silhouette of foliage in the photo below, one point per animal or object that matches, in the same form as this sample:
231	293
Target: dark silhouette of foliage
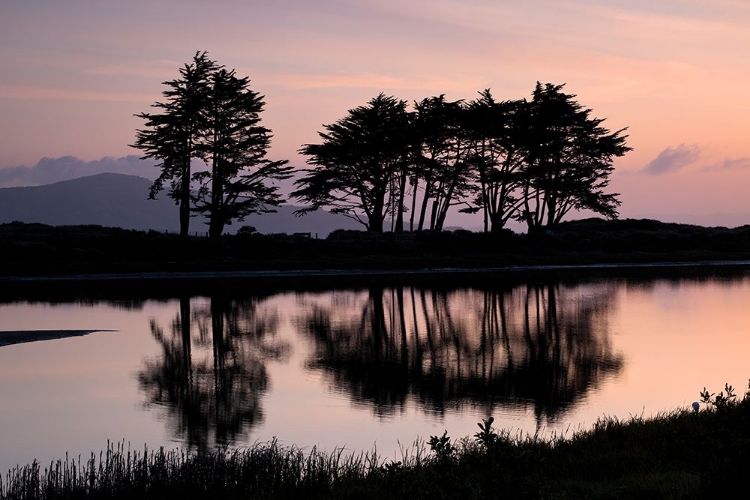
568	159
497	129
359	163
170	135
235	144
676	454
211	115
444	148
533	161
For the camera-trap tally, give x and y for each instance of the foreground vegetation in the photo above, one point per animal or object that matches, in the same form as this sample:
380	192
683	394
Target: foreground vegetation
682	454
37	249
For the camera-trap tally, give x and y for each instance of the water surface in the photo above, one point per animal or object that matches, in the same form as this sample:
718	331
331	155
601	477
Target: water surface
364	367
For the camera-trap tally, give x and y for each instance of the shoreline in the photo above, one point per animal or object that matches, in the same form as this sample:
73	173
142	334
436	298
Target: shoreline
364	272
181	284
13	337
90	258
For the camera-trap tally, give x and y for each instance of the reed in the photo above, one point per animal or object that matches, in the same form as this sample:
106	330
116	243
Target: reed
679	454
264	470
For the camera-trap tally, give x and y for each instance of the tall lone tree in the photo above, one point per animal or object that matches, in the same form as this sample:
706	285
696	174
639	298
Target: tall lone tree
358	166
234	145
211	115
170	136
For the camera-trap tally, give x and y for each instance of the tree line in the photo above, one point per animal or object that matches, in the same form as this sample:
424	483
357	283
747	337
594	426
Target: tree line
385	164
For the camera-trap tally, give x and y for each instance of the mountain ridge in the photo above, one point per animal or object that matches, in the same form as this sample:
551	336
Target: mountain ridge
121	200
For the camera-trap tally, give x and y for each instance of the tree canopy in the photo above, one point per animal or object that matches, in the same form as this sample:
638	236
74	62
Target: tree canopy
567	159
170	135
444	147
211	115
358	162
529	160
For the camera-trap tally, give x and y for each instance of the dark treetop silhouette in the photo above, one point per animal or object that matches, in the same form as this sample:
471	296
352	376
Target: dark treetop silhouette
529	160
360	163
567	159
211	115
441	166
533	161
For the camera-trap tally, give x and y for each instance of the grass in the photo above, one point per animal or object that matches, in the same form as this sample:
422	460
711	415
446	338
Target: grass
681	454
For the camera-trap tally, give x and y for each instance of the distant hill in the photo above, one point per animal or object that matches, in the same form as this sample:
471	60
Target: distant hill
119	200
116	200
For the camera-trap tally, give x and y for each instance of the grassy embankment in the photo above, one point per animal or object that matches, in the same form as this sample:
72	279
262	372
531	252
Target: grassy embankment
682	454
35	249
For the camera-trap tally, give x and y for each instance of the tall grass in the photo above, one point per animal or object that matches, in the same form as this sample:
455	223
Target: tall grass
680	454
265	470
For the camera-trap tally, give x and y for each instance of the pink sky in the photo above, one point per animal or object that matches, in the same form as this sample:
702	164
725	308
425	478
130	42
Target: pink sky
75	72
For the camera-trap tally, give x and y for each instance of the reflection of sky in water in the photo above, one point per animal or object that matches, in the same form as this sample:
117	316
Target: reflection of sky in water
671	340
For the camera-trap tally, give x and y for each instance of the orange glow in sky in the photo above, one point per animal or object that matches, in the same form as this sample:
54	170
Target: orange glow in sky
75	73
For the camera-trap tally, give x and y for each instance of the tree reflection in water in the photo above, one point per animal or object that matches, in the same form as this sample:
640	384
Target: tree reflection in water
543	345
211	373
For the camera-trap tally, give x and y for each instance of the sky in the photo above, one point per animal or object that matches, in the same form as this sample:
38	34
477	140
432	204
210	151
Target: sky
75	72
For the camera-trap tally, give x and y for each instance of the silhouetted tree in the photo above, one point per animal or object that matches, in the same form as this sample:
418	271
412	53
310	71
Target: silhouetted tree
234	144
171	135
534	161
568	159
359	164
211	115
496	129
442	165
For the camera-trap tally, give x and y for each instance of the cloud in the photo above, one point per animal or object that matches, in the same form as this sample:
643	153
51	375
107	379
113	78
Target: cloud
22	92
729	164
672	160
160	68
50	170
428	83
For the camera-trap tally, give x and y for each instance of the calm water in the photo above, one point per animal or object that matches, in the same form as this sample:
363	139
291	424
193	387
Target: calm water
377	366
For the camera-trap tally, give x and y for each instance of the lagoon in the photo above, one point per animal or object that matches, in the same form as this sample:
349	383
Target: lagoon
377	365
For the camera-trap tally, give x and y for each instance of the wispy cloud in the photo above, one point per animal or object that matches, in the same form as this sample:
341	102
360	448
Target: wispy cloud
52	93
160	68
49	170
729	164
376	81
673	159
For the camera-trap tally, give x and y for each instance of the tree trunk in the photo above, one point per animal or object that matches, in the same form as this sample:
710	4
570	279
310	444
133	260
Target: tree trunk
216	222
400	214
215	226
376	218
496	223
433	214
185	200
423	211
375	225
552	211
413	205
